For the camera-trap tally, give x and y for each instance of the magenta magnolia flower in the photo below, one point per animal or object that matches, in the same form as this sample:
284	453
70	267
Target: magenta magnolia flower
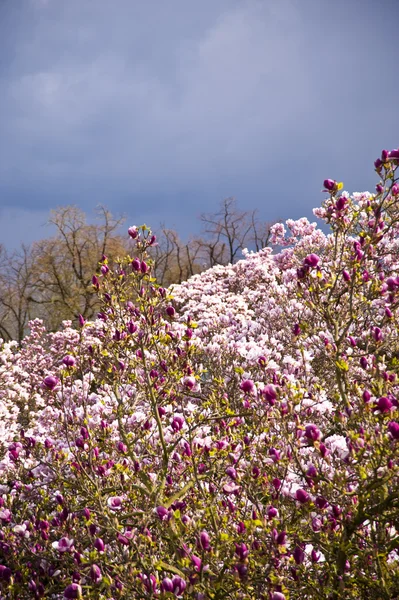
162	512
115	502
302	496
95	573
270	393
133	232
329	184
50	382
204	541
384	404
63	545
69	360
247	386
312	433
74	590
311	260
393	428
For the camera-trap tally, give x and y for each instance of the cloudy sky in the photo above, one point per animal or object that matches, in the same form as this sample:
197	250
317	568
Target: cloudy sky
159	109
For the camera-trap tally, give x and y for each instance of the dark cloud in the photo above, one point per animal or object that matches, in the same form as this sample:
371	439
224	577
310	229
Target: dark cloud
161	109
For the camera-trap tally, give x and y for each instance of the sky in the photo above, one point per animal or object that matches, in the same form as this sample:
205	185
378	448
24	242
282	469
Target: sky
159	109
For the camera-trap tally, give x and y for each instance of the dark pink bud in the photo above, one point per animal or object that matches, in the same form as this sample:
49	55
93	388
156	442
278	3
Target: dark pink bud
377	334
312	260
296	329
270	393
312	471
363	362
69	360
122	447
329	184
81	320
179	585
346	276
242	551
73	590
314	556
95	573
231	472
162	512
393	428
340	203
384	404
278	596
50	382
136	264
379	188
170	311
299	555
281	538
99	545
144	267
166	585
262	361
388	312
366	396
132	327
247	386
302	496
321	502
394	154
395	189
132	231
272	512
312	433
197	562
205	541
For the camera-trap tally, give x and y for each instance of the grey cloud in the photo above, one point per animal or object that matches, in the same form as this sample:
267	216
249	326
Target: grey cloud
162	109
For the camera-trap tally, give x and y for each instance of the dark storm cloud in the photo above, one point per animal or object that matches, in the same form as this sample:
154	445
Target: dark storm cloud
161	109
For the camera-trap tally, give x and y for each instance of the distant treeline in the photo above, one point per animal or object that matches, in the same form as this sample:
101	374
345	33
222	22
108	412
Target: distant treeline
52	278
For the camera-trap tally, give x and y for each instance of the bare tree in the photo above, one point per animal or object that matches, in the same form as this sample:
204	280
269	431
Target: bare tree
175	261
229	230
16	284
64	265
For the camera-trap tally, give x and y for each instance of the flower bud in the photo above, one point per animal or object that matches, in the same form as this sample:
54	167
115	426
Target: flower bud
329	184
170	311
302	496
74	590
298	555
393	428
50	382
384	404
136	265
311	260
99	545
69	360
95	573
133	232
247	386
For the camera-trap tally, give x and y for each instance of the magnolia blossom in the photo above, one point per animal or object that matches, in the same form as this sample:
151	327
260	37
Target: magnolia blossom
63	545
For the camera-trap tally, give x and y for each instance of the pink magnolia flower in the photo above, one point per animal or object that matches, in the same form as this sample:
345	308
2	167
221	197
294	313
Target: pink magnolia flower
63	545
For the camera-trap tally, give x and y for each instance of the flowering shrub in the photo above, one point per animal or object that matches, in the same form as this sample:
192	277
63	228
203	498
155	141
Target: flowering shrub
237	440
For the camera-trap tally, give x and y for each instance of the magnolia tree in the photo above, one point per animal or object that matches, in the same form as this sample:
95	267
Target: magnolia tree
238	440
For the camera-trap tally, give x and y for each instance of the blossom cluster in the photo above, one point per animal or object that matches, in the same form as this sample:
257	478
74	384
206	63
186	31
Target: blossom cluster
233	437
